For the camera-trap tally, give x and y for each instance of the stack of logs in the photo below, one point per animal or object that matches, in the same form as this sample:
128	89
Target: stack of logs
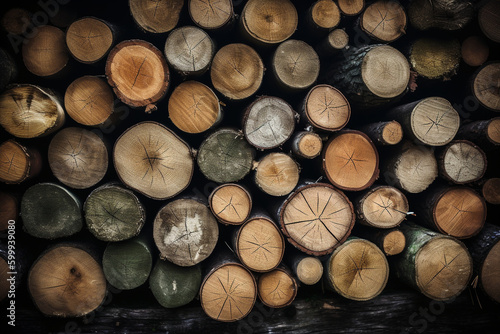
255	147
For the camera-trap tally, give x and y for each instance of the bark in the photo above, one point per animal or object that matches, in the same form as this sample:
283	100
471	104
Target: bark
485	133
384	133
440	14
8	68
422	262
306	144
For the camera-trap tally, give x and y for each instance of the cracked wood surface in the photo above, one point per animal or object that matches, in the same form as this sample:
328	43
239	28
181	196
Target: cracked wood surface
277	174
259	244
462	162
89	39
384	20
45	53
323	14
50	211
384	133
89	100
317	218
189	50
211	14
295	65
486	86
382	206
350	160
138	73
439	266
66	281
351	7
268	122
237	71
17	163
28	111
78	158
193	107
357	270
156	16
113	213
185	232
306	144
228	293
277	288
326	108
269	22
152	160
230	203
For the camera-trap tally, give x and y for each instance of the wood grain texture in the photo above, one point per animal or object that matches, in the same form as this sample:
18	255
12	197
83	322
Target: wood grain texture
231	203
211	14
18	162
89	39
461	162
156	16
277	174
277	288
384	20
326	108
486	88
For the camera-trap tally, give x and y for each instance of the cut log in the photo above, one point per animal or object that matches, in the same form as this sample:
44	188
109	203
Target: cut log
475	51
307	269
66	281
89	39
438	266
113	213
185	232
323	15
384	133
225	156
127	264
237	71
152	160
456	211
316	218
78	157
268	122
326	108
306	144
138	73
440	14
210	14
18	162
259	244
45	54
351	7
193	107
412	168
462	162
491	190
485	133
228	292
156	16
9	210
371	76
28	111
50	211
15	21
384	20
485	252
485	86
189	50
337	40
391	241
488	19
295	65
430	121
8	68
277	174
382	207
434	58
269	22
89	100
277	288
350	160
357	270
230	203
174	286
